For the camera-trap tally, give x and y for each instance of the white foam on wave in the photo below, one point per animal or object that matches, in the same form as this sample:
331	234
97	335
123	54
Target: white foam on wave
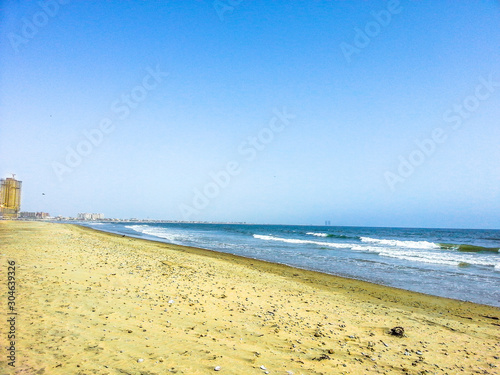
414	251
158	232
317	234
296	241
137	228
428	256
403	244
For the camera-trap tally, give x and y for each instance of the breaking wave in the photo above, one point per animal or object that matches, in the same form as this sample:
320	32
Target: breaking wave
414	251
469	248
330	235
403	244
160	232
297	241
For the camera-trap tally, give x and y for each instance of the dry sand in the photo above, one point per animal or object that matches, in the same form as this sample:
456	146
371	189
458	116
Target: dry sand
95	303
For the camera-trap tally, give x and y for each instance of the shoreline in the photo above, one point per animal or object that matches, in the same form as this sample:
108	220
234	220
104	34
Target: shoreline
352	279
95	302
318	277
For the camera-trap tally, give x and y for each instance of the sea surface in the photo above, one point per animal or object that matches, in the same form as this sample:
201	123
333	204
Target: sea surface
463	264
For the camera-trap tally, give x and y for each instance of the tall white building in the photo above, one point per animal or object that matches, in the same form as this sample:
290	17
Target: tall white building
87	216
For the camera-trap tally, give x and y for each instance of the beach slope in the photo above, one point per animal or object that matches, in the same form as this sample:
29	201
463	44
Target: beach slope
89	302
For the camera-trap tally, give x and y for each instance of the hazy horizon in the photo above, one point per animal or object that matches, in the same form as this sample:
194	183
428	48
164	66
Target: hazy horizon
372	114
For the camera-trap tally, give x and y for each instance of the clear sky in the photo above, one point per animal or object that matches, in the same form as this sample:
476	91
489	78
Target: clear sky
369	113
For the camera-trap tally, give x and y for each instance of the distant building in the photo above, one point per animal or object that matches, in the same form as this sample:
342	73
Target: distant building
86	216
10	197
33	215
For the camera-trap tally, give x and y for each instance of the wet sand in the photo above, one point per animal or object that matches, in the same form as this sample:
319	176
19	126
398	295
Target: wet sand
90	302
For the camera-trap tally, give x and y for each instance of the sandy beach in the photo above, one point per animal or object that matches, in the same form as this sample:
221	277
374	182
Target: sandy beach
89	302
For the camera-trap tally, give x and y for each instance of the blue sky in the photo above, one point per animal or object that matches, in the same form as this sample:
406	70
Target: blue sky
370	113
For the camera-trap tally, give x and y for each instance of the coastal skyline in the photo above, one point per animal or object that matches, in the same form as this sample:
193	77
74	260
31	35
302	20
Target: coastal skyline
377	113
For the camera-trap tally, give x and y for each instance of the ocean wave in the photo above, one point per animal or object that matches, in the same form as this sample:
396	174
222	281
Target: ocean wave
447	262
432	257
414	251
469	248
137	228
318	234
158	232
402	244
297	241
330	235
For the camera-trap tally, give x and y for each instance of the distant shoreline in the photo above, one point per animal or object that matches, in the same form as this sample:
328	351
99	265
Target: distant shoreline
77	221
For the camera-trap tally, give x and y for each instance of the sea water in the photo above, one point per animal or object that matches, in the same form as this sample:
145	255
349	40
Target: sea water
463	264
